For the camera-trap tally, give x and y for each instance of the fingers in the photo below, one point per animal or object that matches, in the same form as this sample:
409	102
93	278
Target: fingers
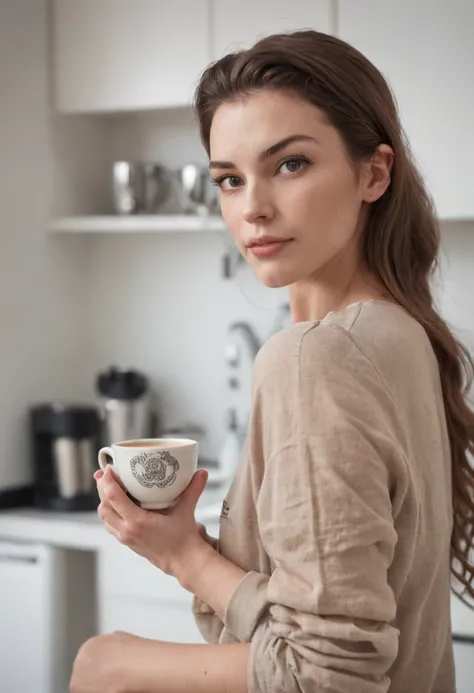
108	515
190	496
106	485
99	474
111	530
97	477
201	530
212	541
112	492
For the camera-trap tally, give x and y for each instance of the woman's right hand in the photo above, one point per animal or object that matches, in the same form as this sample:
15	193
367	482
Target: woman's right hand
212	541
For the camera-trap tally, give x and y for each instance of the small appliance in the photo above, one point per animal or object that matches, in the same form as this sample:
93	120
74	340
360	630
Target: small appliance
65	443
126	408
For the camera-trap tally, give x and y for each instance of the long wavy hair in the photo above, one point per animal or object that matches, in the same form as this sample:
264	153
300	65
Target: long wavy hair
401	236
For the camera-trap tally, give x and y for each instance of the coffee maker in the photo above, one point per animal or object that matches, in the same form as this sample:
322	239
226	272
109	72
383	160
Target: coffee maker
65	441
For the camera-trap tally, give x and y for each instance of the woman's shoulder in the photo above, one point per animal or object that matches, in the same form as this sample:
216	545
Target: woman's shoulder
365	335
342	364
300	351
377	322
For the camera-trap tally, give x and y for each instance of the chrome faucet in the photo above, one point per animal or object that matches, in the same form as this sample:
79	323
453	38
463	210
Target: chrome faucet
249	334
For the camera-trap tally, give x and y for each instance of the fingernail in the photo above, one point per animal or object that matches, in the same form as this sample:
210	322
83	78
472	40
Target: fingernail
98	474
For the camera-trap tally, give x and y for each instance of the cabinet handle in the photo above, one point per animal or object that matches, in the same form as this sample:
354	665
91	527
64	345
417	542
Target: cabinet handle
466	639
11	558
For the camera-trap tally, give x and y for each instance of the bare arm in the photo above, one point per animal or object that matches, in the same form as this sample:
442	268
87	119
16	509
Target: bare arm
211	577
177	668
122	663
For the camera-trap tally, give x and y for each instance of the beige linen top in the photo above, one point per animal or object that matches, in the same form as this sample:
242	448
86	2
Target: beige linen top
340	512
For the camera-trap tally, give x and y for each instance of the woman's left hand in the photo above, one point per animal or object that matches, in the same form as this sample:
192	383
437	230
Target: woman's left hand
169	539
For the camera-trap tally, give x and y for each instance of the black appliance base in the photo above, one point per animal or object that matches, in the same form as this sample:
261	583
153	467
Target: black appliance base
65	505
22	497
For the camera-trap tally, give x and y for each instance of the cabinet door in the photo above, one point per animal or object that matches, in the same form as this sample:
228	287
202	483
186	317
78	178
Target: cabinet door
239	25
464	665
157	619
136	597
426	50
24	582
118	55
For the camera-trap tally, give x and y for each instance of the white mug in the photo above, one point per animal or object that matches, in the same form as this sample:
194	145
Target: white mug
155	471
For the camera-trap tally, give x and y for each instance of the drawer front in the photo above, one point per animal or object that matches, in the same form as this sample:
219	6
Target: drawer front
123	573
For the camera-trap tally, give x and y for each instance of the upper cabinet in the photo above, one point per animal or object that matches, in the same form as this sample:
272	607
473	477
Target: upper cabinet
240	25
426	51
120	55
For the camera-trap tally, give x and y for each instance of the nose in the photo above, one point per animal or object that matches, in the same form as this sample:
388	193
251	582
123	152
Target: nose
258	203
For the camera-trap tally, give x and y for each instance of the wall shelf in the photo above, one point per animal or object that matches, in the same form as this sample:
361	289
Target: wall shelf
150	223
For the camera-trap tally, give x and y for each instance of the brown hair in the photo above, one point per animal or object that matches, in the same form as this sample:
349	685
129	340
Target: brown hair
401	238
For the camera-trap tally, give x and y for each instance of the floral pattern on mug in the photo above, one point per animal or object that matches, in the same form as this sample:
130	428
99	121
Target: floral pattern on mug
157	468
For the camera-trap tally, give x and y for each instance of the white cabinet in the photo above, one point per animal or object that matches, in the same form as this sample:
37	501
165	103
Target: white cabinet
464	665
136	597
27	580
46	613
426	50
119	55
462	618
239	25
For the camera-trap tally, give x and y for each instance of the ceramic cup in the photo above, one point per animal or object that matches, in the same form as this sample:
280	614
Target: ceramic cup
154	471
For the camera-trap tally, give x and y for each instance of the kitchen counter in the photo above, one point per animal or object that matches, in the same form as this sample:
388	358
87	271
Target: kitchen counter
82	530
85	530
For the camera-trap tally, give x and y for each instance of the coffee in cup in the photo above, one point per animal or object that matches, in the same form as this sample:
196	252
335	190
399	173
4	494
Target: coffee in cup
155	471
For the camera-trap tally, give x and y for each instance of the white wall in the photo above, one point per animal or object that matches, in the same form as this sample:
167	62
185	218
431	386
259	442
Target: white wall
455	283
42	306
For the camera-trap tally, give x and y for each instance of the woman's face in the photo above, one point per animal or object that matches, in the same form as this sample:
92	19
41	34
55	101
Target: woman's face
289	194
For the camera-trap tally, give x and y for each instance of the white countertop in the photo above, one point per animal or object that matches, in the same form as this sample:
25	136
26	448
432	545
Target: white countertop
84	530
81	530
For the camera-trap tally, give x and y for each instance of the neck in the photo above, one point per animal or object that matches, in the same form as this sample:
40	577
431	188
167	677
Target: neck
342	281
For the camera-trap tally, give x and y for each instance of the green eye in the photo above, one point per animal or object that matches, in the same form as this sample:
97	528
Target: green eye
294	164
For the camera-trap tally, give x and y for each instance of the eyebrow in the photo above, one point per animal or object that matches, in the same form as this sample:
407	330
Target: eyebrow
267	153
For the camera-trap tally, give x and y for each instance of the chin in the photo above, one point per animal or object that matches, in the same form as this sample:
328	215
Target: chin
275	277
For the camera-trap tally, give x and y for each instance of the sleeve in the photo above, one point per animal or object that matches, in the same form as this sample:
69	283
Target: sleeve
321	623
208	622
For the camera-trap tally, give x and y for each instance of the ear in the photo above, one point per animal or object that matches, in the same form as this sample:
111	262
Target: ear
376	173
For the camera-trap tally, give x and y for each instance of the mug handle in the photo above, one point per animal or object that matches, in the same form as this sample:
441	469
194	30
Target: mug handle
104	454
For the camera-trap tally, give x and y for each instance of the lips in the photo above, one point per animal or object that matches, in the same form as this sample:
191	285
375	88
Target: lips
267	246
266	240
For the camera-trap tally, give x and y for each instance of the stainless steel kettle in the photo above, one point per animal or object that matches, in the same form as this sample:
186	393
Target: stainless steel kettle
126	407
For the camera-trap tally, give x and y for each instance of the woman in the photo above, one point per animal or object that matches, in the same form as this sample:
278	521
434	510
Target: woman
353	501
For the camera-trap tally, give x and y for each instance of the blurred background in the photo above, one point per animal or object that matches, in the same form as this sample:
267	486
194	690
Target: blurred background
124	308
